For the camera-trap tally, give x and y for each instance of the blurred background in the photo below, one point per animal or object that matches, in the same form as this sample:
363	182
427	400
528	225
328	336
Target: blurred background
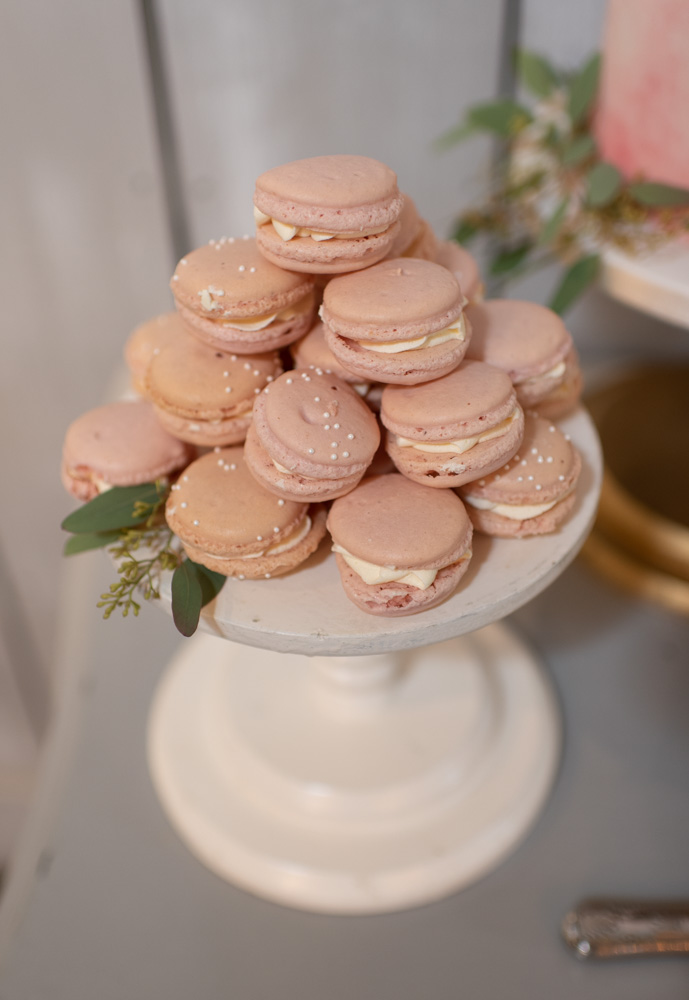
133	131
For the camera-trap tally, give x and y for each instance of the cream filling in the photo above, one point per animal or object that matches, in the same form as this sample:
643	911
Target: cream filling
458	447
456	331
515	512
252	323
298	535
371	573
556	372
287	232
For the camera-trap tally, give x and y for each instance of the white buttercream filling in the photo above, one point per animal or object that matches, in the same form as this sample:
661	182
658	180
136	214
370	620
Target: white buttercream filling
555	372
371	573
460	445
456	331
251	323
287	232
515	512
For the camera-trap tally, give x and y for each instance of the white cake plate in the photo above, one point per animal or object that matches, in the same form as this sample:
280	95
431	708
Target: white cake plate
329	763
656	283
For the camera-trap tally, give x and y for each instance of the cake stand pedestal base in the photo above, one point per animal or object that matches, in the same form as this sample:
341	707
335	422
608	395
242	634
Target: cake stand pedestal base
354	784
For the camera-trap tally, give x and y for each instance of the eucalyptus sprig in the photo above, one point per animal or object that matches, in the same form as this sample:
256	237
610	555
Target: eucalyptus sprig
129	521
553	198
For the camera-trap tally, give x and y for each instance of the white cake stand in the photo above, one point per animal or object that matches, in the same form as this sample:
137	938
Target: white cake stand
323	760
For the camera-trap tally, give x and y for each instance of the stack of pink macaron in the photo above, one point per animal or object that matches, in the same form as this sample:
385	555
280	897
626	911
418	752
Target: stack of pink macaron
341	367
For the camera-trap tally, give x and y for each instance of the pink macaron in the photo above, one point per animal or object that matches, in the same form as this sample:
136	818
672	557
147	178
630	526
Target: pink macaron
463	265
230	297
227	522
204	395
119	444
455	429
400	547
327	214
533	493
528	341
145	342
312	436
400	321
415	238
312	351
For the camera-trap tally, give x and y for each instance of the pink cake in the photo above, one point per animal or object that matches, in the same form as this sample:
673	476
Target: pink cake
642	121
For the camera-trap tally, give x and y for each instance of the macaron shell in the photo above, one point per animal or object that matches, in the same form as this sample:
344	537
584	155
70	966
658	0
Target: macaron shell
225	337
218	507
312	351
391	521
403	368
192	380
400	299
145	341
335	193
393	600
564	398
236	280
267	566
316	425
464	267
490	523
448	471
545	468
410	227
425	246
292	485
523	338
206	433
123	444
336	256
468	401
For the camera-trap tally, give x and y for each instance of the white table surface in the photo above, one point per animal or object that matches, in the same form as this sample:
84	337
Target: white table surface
105	901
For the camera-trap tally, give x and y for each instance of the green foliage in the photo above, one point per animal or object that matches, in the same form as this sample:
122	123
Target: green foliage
193	586
579	149
658	195
575	281
582	90
509	260
535	73
554	223
120	507
603	183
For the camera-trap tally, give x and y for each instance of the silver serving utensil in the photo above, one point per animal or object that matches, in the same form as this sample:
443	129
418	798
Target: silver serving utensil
608	928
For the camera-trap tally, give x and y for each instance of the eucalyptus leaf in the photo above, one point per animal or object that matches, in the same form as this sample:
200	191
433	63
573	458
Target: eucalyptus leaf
575	281
187	598
453	136
91	540
578	149
603	184
582	90
464	231
503	117
508	260
658	195
553	225
112	509
535	72
211	582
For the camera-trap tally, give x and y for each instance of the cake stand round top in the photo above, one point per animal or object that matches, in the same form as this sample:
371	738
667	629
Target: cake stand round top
656	283
306	611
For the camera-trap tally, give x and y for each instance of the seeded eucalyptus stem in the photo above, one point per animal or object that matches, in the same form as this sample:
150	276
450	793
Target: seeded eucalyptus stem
139	574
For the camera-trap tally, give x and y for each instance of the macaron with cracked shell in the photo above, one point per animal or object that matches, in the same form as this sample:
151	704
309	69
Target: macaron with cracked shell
534	492
400	547
463	265
119	444
227	522
327	214
528	341
454	429
400	321
204	395
230	297
312	437
145	342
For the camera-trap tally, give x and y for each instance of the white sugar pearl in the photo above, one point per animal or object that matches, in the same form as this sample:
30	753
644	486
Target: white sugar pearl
534	451
196	522
520	479
316	399
345	454
184	504
228	388
350	437
540	459
538	486
256	372
281	503
276	530
560	479
530	478
336	426
334	457
288	381
326	415
233	466
311	451
549	458
267	575
333	444
326	427
220	461
241	268
241	577
252	270
259	538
